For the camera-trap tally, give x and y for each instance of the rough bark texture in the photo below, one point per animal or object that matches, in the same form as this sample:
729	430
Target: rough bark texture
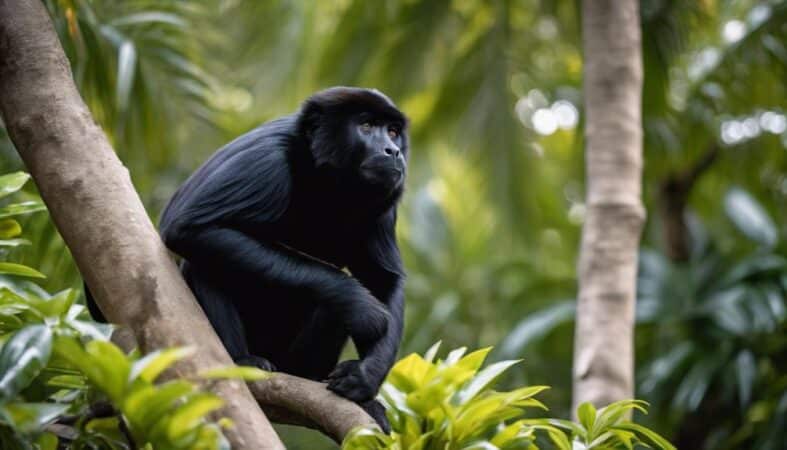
95	207
604	355
296	401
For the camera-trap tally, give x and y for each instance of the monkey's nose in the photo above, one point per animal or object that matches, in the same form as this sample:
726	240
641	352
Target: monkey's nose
392	152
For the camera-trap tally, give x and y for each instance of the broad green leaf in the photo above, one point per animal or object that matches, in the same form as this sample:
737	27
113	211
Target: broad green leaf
22	358
113	366
21	208
240	372
145	406
12	182
68	381
409	373
750	217
30	417
19	269
474	360
191	413
57	305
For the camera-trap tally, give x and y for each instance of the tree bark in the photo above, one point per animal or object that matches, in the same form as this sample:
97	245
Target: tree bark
603	354
673	198
95	207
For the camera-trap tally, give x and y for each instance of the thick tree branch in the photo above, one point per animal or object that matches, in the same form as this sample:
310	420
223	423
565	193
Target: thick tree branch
99	214
296	401
674	194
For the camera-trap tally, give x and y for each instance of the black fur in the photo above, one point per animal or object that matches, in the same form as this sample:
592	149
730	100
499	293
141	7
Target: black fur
267	224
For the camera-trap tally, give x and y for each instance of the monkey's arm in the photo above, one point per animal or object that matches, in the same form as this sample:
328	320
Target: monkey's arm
379	268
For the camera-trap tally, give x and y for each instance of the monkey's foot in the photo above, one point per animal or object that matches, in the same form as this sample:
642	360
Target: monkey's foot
349	380
255	361
377	411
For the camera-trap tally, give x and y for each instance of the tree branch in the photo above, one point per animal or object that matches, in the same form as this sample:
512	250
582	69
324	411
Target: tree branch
292	400
296	401
674	194
99	214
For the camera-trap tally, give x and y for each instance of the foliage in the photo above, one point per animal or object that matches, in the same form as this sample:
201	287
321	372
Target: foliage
450	404
62	383
713	334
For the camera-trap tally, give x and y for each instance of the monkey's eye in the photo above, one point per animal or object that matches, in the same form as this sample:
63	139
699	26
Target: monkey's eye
366	127
393	133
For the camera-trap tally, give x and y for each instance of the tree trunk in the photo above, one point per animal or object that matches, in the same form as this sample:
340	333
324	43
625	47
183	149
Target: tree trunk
95	207
603	354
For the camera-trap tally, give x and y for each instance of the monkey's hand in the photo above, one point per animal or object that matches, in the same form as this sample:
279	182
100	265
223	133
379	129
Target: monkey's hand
350	380
255	361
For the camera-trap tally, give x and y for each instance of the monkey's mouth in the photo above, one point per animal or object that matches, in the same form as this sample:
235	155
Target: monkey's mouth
386	176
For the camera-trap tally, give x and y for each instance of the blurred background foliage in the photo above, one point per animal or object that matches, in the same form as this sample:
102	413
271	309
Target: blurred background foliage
491	221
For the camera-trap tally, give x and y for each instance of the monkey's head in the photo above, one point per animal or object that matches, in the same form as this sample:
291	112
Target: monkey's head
359	135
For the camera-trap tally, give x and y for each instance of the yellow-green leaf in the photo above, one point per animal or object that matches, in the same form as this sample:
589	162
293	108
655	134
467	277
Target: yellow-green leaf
19	269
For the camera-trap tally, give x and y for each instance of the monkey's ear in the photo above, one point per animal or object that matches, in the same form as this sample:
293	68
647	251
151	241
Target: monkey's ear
309	118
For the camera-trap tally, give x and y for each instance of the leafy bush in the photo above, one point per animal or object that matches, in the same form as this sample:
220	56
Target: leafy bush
714	328
64	385
450	404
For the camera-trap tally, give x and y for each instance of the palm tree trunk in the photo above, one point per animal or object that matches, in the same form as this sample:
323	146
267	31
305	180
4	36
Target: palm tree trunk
91	199
604	354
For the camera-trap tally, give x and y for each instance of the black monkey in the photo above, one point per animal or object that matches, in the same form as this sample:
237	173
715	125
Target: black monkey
266	226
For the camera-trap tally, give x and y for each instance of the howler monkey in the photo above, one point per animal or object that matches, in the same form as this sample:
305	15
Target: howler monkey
266	226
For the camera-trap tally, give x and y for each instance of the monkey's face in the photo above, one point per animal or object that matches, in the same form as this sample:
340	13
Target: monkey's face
380	147
358	137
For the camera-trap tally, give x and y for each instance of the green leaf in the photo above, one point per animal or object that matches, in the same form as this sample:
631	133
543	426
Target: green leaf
127	64
587	415
47	441
9	228
13	242
113	366
432	352
145	406
240	372
649	435
21	208
191	413
750	217
537	325
746	372
455	355
12	182
30	417
614	412
482	380
57	305
19	269
150	367
22	358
